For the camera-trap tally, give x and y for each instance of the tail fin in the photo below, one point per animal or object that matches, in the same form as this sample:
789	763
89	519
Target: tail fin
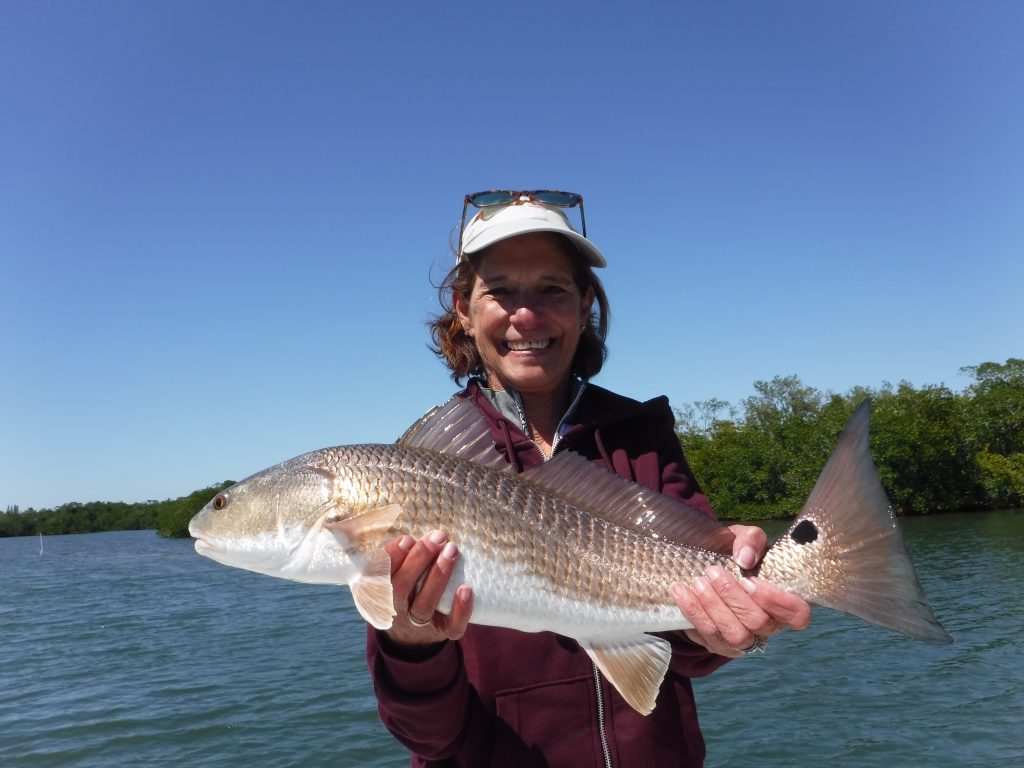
845	550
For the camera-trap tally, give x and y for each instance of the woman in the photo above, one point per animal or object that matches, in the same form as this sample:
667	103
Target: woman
525	316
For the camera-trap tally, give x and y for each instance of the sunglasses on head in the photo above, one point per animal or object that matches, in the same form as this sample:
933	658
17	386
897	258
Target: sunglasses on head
495	198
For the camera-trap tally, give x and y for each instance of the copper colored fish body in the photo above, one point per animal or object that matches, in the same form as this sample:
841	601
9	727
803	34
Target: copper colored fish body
566	547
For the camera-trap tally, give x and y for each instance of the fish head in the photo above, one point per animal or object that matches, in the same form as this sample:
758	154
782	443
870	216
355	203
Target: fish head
273	523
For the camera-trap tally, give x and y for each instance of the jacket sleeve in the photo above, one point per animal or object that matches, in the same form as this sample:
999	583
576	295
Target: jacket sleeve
429	705
691	660
425	702
648	452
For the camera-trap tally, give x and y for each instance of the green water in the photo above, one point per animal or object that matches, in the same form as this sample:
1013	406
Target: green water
130	650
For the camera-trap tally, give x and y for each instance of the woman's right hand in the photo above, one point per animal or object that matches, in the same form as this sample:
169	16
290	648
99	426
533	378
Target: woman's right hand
428	563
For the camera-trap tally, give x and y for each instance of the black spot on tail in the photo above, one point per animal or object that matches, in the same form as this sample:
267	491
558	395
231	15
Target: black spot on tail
804	532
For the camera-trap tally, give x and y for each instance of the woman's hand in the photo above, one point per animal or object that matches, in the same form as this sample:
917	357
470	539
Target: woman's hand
731	617
428	563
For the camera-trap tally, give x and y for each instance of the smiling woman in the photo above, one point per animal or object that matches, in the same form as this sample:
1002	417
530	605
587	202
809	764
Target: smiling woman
526	315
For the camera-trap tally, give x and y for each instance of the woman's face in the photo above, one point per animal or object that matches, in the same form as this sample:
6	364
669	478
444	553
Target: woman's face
525	314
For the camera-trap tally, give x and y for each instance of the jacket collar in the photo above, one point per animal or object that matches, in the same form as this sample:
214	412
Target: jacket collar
509	404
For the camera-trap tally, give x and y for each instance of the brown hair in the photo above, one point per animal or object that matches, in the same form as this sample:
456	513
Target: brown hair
458	350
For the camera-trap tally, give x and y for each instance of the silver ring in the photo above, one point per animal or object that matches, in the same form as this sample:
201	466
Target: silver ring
427	623
758	646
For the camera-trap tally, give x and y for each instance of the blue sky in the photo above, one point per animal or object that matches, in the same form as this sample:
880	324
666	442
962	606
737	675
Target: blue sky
219	222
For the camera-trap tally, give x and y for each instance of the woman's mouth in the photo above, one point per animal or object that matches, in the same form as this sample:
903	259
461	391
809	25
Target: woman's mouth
522	346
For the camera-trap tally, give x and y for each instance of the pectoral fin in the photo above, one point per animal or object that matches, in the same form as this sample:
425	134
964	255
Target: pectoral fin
359	534
372	592
634	665
366	526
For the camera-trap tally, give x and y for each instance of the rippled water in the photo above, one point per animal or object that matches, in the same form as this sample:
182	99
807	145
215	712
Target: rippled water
127	649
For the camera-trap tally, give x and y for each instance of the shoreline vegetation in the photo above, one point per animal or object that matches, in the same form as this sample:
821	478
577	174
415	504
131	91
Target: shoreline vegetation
168	518
936	451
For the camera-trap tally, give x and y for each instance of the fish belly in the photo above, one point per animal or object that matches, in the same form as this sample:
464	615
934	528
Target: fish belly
509	595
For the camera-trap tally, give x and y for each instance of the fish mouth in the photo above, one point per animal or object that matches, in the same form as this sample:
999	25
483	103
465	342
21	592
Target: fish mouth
206	544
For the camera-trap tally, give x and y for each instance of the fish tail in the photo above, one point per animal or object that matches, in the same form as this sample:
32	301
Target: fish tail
845	550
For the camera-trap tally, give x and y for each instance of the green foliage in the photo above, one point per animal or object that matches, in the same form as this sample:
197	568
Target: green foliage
765	464
922	451
169	517
936	450
996	410
1002	477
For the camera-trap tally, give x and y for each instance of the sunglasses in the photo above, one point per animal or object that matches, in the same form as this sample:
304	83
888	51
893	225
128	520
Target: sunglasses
495	198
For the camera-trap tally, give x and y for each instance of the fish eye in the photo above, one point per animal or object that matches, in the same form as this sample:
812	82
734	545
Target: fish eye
220	501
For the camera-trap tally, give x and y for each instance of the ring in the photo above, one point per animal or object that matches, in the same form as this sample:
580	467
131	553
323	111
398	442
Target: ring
758	646
426	623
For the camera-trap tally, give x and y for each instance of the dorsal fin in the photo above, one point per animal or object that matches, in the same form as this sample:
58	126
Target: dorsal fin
627	504
458	429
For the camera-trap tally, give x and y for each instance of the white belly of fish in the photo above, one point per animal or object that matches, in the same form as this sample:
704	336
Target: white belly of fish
507	595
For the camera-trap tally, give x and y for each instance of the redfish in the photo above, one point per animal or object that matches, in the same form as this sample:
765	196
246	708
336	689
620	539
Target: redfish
566	547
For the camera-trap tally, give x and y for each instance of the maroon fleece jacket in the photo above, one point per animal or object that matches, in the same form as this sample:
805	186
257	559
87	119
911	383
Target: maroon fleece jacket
498	697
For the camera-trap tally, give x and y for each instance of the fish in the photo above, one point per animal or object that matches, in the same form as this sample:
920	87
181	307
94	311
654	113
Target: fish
566	547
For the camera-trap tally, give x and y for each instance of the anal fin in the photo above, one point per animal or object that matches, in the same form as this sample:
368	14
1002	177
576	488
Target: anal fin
634	665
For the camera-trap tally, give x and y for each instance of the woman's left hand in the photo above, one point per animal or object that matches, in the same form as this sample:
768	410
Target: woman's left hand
731	617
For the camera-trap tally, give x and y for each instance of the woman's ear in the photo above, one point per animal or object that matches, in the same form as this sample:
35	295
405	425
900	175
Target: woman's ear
586	305
461	306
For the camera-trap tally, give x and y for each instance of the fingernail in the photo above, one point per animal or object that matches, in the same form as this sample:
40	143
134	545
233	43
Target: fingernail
714	573
449	551
465	594
679	591
747	558
748	584
406	543
437	537
701	585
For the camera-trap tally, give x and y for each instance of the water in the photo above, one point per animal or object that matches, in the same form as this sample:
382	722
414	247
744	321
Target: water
131	650
124	649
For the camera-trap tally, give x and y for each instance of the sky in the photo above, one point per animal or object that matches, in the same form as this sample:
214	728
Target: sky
221	223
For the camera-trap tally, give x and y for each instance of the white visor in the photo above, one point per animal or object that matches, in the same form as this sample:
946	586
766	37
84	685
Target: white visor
495	223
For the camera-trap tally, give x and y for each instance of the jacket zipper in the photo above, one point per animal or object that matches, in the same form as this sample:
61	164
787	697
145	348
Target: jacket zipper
600	719
561	424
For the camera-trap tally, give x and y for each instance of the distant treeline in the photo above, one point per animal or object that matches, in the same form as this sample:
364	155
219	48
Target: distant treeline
169	517
936	450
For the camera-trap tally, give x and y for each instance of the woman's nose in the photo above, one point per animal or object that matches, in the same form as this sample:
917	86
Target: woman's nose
526	309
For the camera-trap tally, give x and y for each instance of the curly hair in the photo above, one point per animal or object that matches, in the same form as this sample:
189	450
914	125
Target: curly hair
458	350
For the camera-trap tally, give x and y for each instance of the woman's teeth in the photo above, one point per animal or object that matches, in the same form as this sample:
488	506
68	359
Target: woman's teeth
519	346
